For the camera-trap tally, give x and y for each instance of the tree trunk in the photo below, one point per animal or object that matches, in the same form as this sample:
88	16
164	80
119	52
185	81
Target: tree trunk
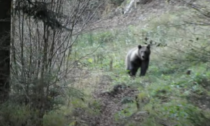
5	23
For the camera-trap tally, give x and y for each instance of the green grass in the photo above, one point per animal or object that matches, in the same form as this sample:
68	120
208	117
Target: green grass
166	85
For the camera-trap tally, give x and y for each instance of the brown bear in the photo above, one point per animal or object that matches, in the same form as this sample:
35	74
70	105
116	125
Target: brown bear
136	58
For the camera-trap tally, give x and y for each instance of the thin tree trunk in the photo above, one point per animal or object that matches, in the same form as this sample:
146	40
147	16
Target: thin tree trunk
5	25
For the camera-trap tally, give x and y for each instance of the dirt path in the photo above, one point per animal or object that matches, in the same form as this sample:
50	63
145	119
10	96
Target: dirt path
111	101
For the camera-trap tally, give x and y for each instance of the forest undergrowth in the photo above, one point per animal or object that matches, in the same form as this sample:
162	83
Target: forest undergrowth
99	92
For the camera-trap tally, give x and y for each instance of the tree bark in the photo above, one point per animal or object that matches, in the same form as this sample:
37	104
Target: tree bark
5	26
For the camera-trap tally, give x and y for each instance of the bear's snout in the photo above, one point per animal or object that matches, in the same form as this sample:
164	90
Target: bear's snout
143	57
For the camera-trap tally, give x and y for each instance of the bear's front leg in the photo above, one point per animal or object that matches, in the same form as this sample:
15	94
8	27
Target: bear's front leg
133	71
144	67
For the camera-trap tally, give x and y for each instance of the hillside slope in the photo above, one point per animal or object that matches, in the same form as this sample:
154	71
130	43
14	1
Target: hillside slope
175	90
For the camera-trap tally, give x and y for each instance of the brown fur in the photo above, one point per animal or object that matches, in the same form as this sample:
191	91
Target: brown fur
136	58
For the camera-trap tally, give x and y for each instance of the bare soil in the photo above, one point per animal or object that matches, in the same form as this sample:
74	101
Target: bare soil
111	101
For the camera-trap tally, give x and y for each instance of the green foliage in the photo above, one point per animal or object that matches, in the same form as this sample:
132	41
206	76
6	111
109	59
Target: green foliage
128	110
54	118
16	115
197	117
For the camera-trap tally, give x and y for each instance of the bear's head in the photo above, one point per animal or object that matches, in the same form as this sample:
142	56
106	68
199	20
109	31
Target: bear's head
144	52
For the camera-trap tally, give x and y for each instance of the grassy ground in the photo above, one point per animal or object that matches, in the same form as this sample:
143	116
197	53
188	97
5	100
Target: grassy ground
175	90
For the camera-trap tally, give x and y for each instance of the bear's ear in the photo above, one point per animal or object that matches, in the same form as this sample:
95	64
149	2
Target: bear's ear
148	46
139	46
